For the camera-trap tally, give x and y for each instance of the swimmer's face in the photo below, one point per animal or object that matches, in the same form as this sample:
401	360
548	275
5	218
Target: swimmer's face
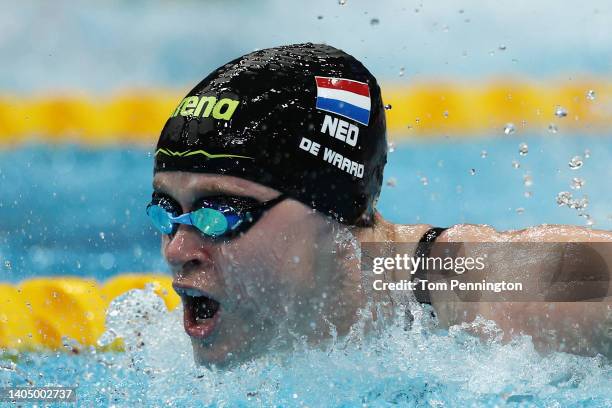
280	276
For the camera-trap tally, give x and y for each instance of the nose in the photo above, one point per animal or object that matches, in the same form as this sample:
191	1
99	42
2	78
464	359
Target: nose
187	249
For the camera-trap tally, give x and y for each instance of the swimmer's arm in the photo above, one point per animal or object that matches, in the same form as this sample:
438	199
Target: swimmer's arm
581	326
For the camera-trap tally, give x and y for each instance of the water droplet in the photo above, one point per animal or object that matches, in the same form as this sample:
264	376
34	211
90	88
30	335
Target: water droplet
342	2
577	183
374	21
392	182
502	47
564	198
579	204
523	149
552	128
7	264
424	181
401	71
388	106
101	235
587	153
472	172
515	164
107	260
390	147
509	128
445	114
527	194
484	154
520	210
560	112
527	180
319	17
590	95
575	163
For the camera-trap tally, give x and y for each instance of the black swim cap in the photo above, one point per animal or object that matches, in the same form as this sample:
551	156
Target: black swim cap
305	119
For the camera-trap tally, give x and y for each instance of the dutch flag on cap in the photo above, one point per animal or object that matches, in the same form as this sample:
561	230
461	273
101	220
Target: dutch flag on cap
344	97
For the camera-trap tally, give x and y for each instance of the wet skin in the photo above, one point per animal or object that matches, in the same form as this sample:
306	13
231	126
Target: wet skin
296	273
286	274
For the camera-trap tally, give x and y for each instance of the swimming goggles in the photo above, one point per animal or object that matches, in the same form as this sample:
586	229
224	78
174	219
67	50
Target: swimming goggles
215	216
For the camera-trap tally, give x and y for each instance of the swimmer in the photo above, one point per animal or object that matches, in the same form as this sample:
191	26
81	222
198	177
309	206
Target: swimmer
266	179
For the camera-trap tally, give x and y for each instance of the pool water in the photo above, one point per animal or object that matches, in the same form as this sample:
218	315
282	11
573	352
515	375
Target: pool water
67	210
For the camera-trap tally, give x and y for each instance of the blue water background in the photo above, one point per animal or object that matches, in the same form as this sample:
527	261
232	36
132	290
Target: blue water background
69	210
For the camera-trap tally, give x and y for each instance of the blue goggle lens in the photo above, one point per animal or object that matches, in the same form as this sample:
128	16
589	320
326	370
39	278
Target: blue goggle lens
160	218
214	219
210	221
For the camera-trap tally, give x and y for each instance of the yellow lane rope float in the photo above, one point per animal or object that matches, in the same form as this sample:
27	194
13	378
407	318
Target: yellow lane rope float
42	312
417	109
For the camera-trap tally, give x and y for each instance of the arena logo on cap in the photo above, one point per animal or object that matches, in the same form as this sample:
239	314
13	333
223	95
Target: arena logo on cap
344	97
204	106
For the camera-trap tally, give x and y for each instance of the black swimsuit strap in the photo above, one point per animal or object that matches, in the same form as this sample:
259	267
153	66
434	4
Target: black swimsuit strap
423	248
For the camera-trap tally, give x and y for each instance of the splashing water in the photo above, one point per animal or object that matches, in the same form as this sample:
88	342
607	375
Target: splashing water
575	163
523	149
590	95
588	220
564	198
579	204
406	365
509	129
577	183
560	112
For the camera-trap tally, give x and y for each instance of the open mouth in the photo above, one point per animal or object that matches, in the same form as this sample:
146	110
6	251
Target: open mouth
200	312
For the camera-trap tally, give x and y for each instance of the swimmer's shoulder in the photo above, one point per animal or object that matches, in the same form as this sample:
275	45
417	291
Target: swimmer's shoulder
410	233
537	233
